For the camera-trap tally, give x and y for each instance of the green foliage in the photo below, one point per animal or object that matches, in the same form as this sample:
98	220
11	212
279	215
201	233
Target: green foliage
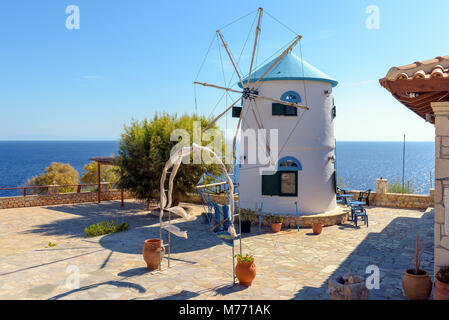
107	173
245	258
145	148
275	219
396	187
51	244
443	274
105	227
247	215
56	173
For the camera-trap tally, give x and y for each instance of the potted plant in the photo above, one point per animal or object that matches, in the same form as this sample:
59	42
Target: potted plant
246	216
416	282
441	285
317	227
245	269
276	223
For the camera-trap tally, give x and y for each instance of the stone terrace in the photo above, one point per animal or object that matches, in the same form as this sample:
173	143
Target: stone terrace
290	264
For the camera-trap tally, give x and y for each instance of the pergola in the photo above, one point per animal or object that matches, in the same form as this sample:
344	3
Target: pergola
107	161
423	87
419	84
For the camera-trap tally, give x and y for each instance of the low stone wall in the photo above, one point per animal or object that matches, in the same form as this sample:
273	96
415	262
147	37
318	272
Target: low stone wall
61	198
398	200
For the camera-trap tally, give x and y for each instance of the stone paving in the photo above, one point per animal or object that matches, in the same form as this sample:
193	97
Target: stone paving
290	264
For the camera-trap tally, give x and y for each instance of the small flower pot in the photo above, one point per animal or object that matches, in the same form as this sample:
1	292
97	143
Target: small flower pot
317	227
417	286
246	226
440	290
245	272
153	251
276	226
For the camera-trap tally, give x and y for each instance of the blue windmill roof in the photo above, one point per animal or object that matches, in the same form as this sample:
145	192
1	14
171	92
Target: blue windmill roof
290	67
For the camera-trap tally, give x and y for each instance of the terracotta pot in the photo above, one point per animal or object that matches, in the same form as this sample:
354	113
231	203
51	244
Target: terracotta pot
441	290
153	253
276	227
245	272
417	287
317	227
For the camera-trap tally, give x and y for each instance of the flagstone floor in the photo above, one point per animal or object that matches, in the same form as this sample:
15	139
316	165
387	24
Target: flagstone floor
290	264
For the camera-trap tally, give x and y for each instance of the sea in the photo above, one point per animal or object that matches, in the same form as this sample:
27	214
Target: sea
358	164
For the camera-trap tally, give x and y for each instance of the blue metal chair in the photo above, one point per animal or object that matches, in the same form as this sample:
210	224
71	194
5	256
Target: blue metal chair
359	212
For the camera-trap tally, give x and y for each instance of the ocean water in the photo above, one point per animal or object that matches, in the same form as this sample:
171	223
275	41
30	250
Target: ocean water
359	164
21	160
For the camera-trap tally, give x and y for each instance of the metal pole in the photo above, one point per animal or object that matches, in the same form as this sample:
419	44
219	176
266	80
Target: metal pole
260	217
403	164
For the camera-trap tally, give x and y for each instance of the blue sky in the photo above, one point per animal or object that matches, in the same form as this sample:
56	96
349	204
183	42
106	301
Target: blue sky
130	59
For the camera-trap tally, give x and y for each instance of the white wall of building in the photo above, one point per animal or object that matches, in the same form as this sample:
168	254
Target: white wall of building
312	143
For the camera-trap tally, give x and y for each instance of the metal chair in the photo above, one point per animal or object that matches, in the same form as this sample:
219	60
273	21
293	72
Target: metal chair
364	196
359	212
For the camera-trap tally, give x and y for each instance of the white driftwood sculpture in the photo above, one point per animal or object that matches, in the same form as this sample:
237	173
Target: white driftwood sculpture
166	200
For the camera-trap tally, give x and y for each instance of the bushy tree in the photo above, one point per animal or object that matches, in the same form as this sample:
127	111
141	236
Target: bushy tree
57	173
107	173
144	149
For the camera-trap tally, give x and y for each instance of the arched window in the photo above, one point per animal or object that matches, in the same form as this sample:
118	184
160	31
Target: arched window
283	110
284	182
289	164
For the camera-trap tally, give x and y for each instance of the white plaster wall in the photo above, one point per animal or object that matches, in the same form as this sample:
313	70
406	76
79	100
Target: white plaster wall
312	143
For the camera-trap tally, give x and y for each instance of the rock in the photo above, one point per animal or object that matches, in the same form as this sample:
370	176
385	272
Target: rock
347	287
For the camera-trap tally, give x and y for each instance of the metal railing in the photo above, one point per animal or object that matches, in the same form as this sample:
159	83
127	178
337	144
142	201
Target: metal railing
38	189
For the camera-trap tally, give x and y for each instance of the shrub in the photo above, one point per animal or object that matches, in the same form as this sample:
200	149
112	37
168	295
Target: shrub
247	215
56	173
245	258
443	274
107	173
144	149
105	227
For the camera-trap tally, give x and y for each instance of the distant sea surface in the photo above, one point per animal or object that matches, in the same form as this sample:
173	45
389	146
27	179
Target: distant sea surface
359	164
21	160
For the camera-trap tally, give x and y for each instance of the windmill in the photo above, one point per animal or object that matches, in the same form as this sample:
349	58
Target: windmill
250	87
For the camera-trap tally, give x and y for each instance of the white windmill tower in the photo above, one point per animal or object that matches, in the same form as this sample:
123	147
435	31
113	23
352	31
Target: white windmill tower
291	96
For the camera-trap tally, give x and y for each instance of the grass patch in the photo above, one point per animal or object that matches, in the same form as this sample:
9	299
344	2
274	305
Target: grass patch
396	187
105	227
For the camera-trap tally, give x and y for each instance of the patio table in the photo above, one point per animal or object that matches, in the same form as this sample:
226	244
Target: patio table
345	197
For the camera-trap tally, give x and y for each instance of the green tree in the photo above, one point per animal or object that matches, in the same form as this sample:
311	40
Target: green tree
107	173
56	173
145	148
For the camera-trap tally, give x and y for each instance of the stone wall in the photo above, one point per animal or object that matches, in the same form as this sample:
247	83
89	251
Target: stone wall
59	198
441	244
382	198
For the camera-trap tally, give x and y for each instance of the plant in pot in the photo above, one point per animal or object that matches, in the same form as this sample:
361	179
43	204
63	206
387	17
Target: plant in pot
246	217
245	270
276	223
441	285
416	282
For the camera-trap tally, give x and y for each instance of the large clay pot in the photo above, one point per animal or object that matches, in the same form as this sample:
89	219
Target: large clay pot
276	227
153	251
317	227
440	290
245	272
417	287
